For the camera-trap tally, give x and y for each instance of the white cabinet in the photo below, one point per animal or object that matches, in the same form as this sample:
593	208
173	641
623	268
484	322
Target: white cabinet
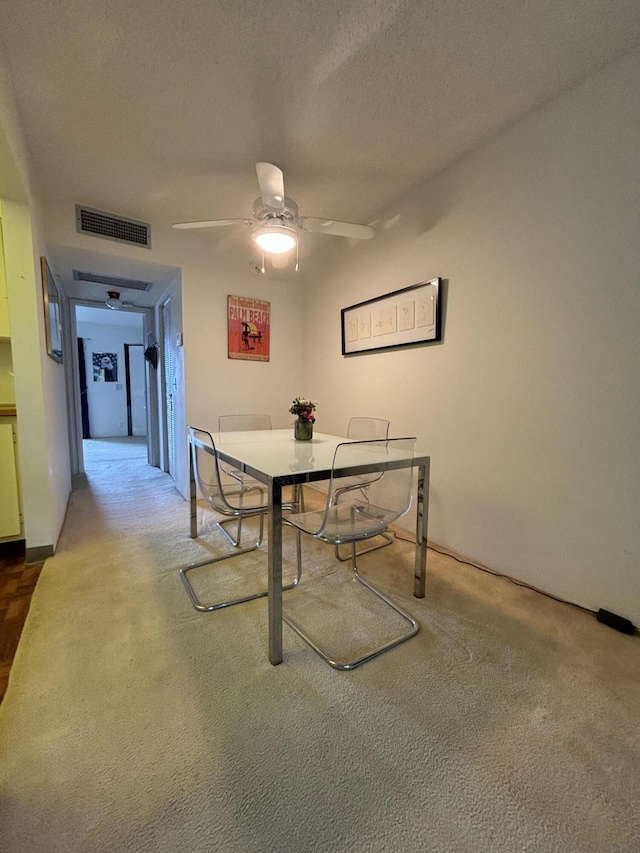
9	495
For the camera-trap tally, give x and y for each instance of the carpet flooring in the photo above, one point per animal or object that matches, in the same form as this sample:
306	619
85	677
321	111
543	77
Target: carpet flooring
132	723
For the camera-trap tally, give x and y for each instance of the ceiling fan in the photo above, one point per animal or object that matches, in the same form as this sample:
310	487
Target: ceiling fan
278	220
115	303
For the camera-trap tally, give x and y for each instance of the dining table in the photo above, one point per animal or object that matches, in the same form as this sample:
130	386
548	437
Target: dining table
276	459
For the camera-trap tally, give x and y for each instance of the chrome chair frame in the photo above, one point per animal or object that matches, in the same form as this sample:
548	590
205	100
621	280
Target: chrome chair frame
224	507
379	521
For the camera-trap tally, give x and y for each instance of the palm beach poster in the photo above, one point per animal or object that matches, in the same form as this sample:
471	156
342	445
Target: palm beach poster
249	328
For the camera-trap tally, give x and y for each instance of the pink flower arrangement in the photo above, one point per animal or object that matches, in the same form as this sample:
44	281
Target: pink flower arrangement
303	409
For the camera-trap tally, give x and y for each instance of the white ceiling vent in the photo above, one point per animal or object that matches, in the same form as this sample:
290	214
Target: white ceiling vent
101	224
112	281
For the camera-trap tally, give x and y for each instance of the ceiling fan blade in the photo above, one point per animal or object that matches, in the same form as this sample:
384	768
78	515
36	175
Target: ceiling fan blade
338	229
211	223
271	183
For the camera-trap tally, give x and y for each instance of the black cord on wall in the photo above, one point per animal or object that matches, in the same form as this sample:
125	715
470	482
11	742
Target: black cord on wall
611	619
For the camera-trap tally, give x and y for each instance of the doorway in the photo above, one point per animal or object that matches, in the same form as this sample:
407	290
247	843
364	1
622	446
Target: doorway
113	391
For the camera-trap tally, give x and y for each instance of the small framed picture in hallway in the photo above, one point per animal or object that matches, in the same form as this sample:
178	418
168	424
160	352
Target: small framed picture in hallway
105	367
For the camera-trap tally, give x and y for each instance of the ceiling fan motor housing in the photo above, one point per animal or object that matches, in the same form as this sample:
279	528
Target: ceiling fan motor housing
264	213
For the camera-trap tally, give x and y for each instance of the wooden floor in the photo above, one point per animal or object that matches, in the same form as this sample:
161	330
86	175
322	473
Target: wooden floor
17	583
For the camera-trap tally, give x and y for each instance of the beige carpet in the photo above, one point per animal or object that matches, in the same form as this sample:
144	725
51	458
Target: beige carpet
133	723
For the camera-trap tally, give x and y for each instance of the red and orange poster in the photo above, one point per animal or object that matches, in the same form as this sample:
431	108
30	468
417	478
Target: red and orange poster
249	324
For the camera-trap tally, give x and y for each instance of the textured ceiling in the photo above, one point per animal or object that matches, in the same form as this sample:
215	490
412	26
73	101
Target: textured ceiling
158	110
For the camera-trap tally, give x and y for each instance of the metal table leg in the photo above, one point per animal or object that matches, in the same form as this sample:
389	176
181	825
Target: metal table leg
192	495
275	572
422	524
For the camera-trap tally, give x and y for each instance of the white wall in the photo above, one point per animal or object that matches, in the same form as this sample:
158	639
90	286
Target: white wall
39	386
217	384
39	381
107	401
530	406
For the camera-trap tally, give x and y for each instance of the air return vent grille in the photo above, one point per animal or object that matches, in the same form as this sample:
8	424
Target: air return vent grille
101	224
114	282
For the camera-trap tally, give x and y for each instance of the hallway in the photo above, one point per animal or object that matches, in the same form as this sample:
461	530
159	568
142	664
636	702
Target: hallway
98	451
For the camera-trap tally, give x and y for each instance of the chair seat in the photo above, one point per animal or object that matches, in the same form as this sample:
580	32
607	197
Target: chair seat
344	523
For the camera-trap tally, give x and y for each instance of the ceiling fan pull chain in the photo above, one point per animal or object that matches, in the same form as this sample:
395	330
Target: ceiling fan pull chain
297	257
262	269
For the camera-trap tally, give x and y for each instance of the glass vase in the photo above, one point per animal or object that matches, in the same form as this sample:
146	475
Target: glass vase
303	430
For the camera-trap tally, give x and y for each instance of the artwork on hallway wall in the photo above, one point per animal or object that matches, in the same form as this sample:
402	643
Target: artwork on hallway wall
249	328
52	327
405	317
105	367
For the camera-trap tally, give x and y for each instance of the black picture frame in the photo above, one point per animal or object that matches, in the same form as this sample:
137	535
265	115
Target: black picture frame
105	366
405	317
52	325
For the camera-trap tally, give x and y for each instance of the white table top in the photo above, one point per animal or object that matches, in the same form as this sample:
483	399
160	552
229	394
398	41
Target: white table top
276	453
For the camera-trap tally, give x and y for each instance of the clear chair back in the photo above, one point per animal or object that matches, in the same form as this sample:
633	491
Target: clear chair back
366	429
359	510
224	499
242	423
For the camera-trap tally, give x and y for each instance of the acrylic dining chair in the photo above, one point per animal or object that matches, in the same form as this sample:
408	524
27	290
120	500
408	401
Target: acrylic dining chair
236	500
353	514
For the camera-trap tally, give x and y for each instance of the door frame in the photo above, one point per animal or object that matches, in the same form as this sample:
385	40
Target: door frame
72	376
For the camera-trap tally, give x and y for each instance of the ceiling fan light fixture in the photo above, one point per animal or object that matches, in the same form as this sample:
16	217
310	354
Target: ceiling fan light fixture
275	238
113	301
